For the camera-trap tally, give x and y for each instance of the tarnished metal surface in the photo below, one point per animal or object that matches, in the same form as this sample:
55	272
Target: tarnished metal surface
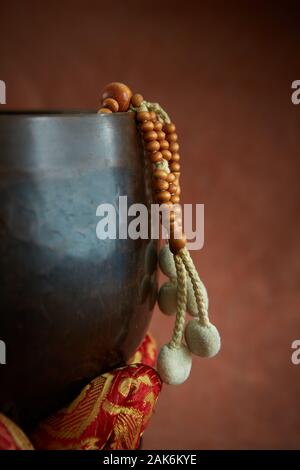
71	305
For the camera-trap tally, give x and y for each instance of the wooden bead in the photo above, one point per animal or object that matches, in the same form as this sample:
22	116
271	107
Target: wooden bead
169	128
175	157
161	135
175	199
160	185
119	92
171	178
172	137
174	167
104	111
177	174
152	146
143	116
166	154
173	188
176	244
111	104
160	174
174	147
163	196
147	126
155	157
137	100
158	126
153	116
178	191
164	144
149	136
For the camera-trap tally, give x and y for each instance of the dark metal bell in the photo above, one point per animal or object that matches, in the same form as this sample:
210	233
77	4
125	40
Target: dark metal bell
72	306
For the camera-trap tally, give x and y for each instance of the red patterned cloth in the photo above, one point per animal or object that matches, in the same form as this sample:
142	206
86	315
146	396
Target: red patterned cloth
11	436
111	412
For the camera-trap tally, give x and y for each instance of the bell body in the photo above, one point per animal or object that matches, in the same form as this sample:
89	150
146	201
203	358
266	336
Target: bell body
72	305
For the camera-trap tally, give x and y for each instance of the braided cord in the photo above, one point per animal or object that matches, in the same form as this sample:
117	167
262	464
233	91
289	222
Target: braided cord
194	276
181	304
148	106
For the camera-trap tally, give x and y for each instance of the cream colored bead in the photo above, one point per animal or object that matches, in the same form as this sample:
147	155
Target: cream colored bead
166	262
191	299
202	340
167	298
174	365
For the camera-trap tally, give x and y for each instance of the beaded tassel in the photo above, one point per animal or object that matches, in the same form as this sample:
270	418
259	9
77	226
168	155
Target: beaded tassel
185	291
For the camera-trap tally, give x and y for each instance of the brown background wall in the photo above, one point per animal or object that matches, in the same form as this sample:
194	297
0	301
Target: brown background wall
224	72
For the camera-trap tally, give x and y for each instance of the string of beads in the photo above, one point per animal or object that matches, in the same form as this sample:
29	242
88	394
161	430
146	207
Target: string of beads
185	291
